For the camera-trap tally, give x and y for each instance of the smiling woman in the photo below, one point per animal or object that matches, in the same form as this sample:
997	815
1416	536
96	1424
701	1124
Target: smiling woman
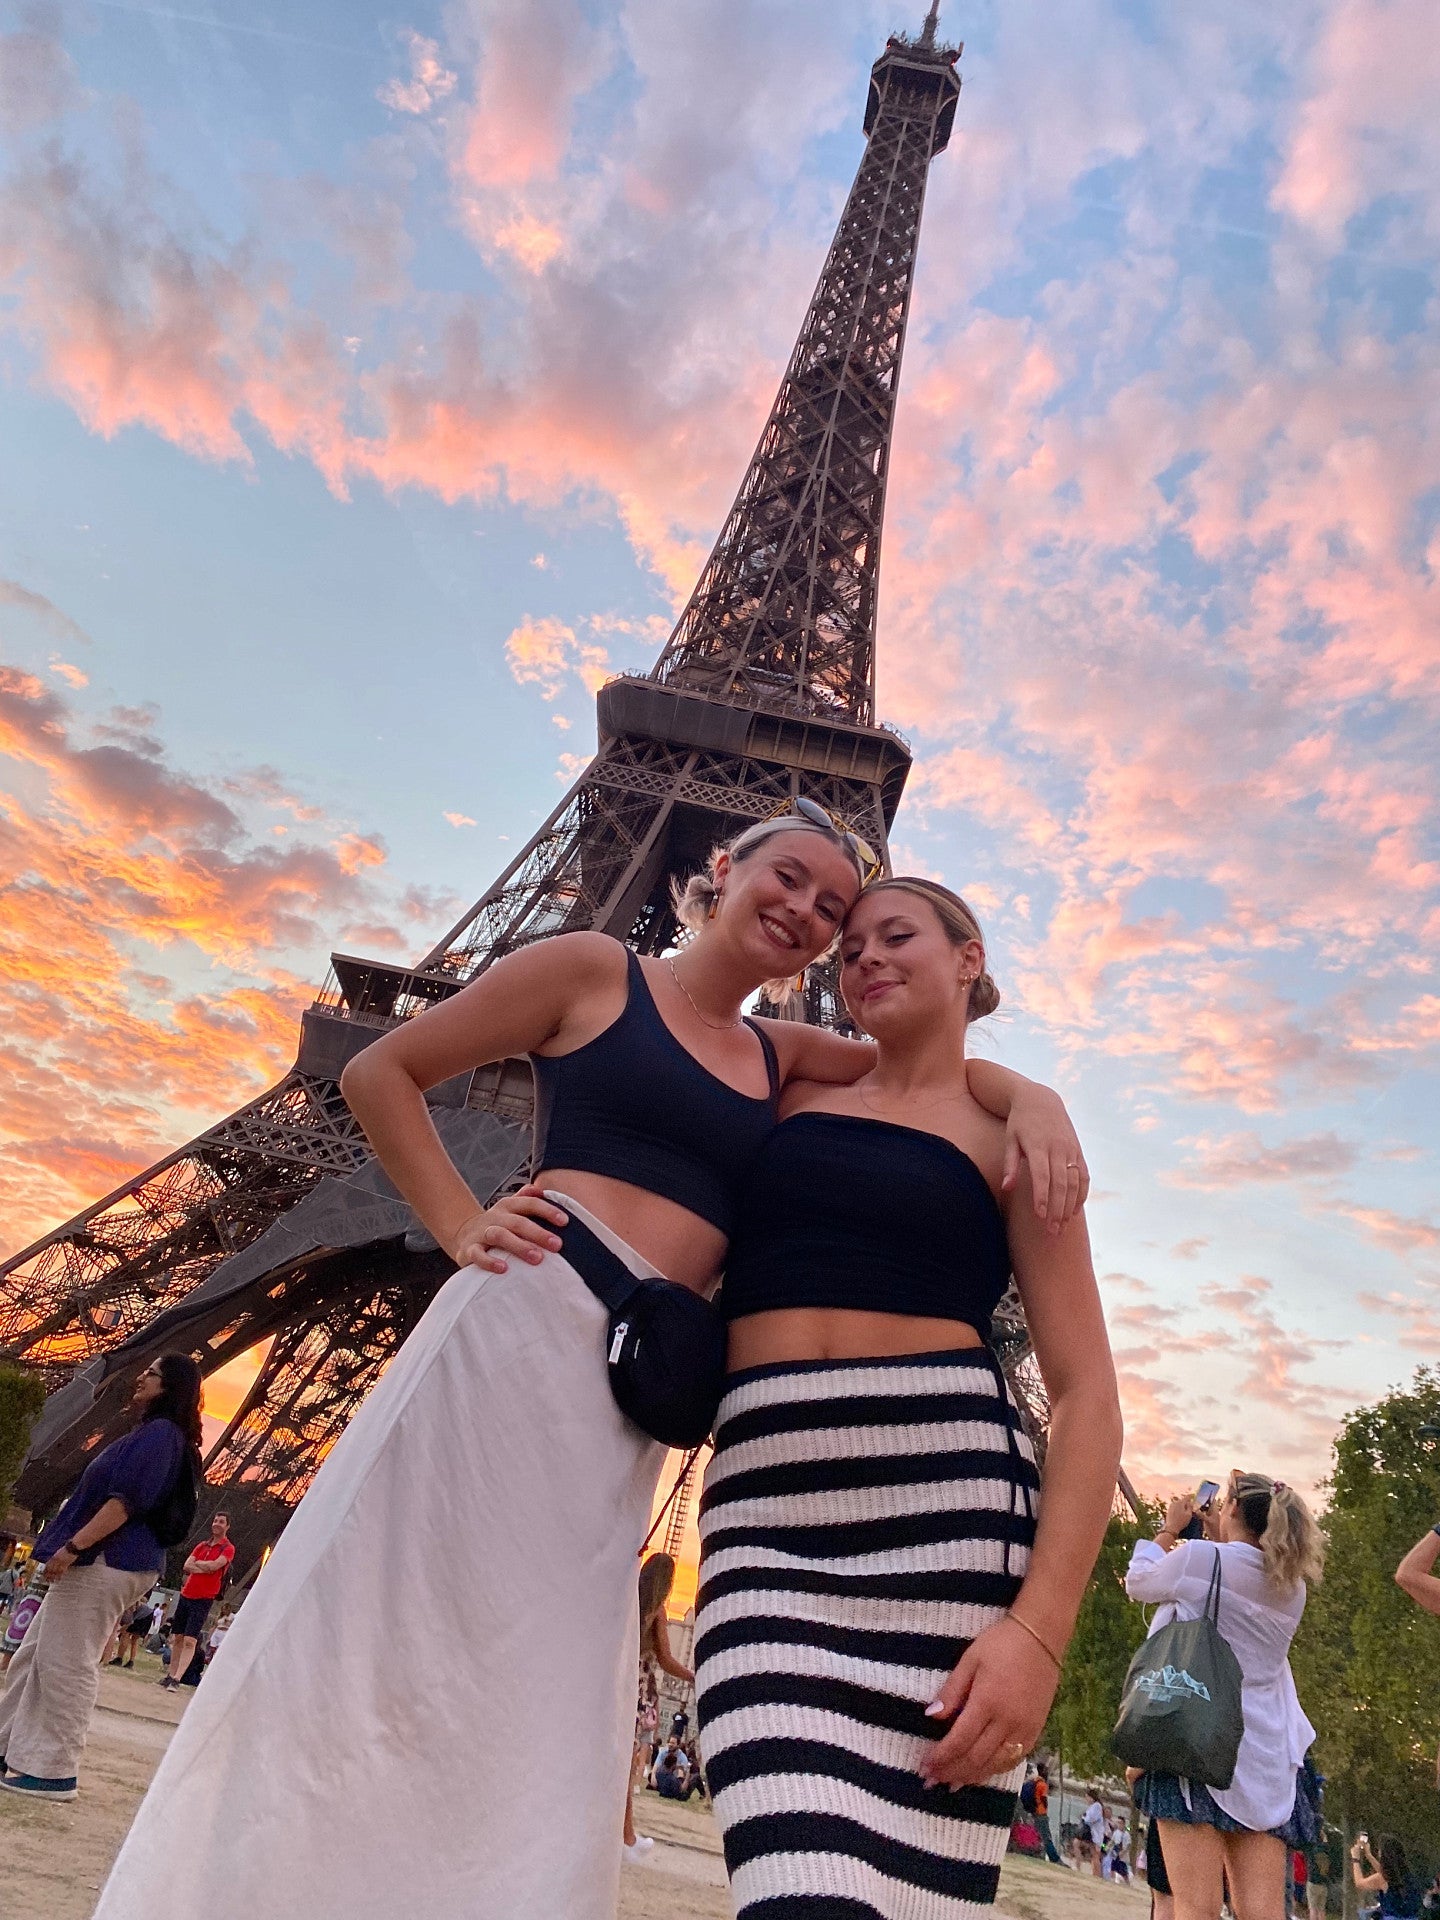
872	1566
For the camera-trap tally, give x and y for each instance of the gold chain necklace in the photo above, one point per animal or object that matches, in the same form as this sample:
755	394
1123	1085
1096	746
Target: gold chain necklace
939	1100
726	1026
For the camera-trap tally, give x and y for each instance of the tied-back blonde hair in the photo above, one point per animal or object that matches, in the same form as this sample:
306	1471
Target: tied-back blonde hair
697	899
959	924
1289	1534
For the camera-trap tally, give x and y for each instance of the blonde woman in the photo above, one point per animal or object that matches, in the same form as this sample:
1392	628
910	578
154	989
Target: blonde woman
880	1613
1269	1546
325	1769
657	1578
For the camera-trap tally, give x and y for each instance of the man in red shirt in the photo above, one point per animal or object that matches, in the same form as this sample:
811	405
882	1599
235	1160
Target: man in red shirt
204	1572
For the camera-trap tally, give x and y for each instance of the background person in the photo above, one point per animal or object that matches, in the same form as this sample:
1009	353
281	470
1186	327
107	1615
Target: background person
672	1770
1269	1546
100	1556
697	1771
1157	1879
1386	1872
1093	1821
205	1572
1324	1869
130	1634
657	1578
1042	1813
217	1634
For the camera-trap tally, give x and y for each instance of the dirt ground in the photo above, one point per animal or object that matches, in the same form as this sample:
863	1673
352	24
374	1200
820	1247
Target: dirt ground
55	1858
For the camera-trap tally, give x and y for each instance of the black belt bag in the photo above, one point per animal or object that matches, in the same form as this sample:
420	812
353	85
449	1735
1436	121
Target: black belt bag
665	1352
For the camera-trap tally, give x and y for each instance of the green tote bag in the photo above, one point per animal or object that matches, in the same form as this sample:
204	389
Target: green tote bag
1180	1709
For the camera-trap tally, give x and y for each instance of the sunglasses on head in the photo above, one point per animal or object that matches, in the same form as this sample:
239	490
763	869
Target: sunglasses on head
804	808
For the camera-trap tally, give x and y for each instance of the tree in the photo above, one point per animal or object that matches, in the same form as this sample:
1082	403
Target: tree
1367	1659
22	1394
1108	1630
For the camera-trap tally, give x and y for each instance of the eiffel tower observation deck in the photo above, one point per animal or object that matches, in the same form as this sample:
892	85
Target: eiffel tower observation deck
276	1225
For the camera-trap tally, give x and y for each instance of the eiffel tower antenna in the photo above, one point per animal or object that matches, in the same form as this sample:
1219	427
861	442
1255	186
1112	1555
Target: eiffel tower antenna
276	1225
932	25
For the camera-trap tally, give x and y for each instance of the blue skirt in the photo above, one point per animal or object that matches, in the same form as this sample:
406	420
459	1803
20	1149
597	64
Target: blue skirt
1163	1797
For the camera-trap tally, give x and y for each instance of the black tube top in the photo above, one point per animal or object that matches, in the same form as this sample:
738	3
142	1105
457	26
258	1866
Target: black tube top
633	1104
843	1211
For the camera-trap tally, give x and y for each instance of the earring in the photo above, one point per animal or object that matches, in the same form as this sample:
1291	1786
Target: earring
714	906
797	985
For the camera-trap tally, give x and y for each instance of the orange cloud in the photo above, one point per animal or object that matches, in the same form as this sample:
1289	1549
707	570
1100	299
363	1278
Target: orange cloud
122	882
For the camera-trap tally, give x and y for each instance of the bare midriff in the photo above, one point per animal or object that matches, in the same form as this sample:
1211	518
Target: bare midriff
835	1333
679	1243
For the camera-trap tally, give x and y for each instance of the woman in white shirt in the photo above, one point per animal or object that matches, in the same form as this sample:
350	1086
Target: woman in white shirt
1269	1546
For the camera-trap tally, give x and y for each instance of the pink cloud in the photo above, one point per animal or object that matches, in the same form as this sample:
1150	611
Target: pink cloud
1398	1233
1239	1158
430	82
1369	126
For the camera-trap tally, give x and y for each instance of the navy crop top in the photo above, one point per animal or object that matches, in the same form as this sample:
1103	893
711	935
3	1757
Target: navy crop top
634	1104
843	1211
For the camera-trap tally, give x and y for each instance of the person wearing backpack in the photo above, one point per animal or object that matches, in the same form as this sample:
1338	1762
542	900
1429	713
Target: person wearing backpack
1267	1547
101	1553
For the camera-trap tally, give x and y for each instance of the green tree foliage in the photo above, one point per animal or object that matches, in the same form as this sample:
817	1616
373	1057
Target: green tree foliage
22	1394
1107	1632
1367	1659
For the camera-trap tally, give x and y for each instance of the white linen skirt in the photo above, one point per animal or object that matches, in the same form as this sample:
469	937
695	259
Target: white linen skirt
455	1594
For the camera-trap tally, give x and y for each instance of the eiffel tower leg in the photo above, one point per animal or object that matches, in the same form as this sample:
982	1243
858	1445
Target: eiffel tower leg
89	1287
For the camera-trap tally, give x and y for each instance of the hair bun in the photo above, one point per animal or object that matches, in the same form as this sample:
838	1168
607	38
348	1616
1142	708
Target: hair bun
984	997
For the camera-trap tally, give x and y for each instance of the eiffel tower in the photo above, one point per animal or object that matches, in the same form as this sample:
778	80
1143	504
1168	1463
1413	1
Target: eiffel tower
276	1225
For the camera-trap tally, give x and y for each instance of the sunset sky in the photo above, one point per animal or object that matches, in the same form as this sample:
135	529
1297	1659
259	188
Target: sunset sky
373	381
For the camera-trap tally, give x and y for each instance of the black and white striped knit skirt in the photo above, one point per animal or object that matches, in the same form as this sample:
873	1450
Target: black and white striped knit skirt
861	1522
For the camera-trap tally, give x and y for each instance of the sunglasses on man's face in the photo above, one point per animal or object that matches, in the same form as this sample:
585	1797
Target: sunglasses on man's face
807	809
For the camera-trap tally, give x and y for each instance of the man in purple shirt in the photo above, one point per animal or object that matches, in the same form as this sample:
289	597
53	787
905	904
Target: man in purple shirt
100	1555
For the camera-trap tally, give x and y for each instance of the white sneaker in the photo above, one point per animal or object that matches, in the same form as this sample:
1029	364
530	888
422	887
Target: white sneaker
637	1853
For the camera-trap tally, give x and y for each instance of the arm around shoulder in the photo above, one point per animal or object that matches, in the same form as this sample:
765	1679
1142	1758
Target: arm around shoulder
814	1053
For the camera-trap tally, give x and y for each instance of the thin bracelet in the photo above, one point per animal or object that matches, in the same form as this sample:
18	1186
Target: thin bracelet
1010	1614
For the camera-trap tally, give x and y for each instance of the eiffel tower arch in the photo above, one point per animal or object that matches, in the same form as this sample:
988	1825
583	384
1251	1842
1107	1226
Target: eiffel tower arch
276	1225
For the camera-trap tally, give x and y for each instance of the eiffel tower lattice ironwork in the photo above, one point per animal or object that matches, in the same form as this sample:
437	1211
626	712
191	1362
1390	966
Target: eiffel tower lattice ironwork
276	1224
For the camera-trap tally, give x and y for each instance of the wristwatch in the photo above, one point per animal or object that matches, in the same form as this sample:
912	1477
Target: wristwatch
71	1548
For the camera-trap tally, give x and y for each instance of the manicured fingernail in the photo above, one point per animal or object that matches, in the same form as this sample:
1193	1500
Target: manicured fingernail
534	1256
553	1244
935	1709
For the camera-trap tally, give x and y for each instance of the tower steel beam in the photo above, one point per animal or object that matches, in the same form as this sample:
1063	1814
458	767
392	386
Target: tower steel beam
275	1225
